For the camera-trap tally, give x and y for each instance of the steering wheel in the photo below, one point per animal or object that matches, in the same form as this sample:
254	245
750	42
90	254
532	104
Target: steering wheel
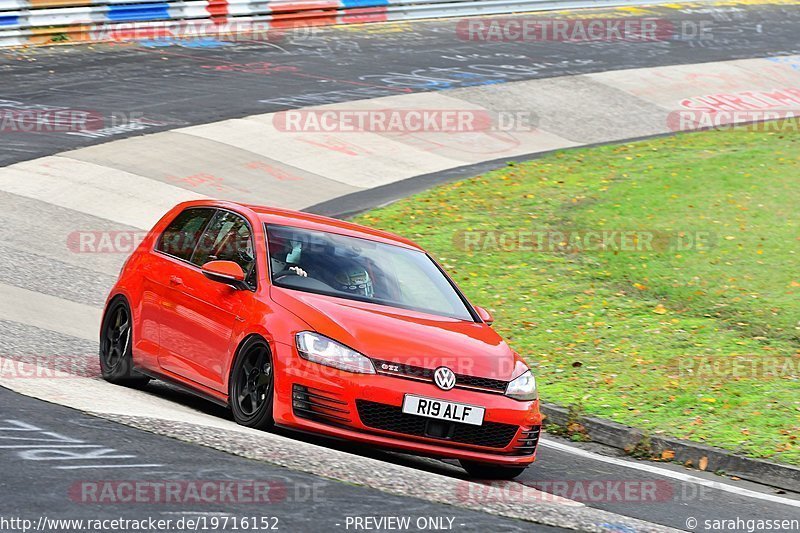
291	271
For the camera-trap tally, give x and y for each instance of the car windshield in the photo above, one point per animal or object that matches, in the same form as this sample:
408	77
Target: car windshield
361	269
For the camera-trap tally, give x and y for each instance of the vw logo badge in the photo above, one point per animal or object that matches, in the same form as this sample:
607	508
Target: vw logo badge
444	378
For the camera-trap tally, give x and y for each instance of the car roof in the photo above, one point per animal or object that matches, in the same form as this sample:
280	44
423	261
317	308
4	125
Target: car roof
299	219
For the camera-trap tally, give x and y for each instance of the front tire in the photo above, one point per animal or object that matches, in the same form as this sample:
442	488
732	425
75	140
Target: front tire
252	384
116	346
489	471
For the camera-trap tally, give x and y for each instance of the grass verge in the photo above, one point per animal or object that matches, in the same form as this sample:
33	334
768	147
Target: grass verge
688	325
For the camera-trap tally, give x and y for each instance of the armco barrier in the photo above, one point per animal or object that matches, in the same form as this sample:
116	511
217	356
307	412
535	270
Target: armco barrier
52	21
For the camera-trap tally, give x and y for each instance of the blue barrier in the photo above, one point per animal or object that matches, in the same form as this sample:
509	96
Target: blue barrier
9	21
138	12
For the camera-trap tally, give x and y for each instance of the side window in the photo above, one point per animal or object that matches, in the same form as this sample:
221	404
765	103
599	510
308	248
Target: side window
228	238
181	236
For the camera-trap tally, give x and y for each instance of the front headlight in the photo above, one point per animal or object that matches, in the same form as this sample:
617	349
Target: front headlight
322	350
523	388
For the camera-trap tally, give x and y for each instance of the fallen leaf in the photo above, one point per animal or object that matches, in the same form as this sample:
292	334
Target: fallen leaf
660	310
667	455
703	464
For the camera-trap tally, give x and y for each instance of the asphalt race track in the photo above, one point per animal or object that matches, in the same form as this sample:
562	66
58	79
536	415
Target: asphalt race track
163	86
177	85
676	499
71	488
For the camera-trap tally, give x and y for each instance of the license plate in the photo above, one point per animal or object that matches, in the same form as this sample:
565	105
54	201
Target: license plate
450	411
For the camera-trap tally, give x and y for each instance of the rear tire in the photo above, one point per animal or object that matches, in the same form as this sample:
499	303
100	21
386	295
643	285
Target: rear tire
116	346
490	471
252	384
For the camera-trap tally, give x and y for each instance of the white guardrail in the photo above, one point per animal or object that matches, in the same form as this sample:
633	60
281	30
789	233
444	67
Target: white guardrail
24	22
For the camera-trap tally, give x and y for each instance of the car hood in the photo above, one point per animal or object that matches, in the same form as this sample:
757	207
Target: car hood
403	336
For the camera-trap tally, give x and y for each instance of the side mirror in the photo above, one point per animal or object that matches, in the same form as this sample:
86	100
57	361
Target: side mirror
226	272
485	315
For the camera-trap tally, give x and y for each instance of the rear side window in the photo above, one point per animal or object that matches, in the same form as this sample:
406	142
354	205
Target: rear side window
181	236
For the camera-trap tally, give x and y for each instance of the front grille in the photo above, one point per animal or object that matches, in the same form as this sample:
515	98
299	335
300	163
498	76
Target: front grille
527	441
390	418
419	373
482	383
318	405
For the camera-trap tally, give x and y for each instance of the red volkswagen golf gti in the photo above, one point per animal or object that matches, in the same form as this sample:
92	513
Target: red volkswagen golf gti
324	326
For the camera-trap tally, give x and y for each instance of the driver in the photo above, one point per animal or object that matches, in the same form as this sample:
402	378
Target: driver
342	273
284	256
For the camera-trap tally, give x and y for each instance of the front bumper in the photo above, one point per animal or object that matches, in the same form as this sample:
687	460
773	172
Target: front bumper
366	408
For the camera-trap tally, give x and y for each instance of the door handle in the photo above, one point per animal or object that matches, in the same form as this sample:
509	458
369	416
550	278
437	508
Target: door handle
175	280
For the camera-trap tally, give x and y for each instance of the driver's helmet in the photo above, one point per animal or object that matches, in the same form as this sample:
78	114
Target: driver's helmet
353	278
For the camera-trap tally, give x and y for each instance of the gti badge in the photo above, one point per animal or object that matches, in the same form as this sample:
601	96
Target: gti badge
444	378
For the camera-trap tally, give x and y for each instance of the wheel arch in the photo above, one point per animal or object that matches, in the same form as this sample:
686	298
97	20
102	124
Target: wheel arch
247	338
